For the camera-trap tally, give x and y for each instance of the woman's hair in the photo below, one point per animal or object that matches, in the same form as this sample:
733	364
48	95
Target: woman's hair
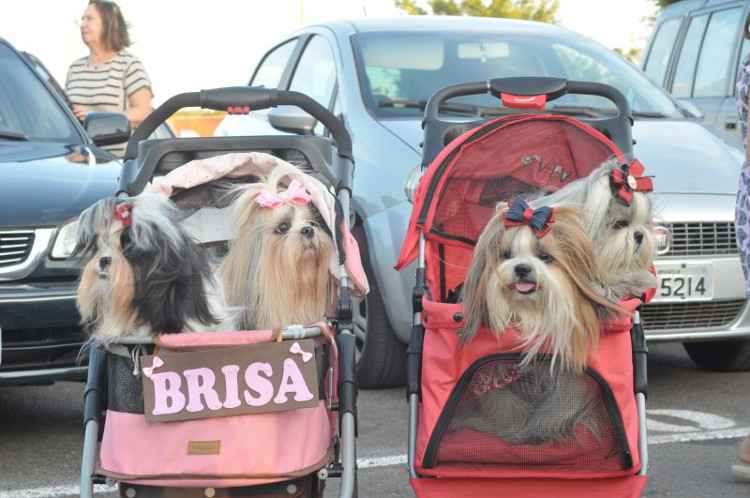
114	28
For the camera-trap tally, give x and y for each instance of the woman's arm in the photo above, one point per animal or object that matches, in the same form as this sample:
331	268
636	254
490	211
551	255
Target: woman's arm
139	106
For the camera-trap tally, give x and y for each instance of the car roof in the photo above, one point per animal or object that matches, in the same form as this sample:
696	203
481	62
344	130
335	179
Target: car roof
446	23
685	6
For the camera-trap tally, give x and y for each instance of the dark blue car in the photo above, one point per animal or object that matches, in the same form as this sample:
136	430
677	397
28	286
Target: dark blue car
50	170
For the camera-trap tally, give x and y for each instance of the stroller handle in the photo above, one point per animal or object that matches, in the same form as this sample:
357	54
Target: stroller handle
241	100
530	93
527	92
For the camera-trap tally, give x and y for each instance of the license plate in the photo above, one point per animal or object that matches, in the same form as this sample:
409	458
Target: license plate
685	282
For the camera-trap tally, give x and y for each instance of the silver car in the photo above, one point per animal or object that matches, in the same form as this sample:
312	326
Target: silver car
378	74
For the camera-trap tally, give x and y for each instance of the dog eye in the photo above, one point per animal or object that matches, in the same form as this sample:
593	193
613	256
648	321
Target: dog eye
282	228
507	254
546	257
620	224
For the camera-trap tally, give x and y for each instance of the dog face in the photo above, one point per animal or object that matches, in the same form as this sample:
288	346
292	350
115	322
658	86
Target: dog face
621	233
277	268
618	214
142	271
541	284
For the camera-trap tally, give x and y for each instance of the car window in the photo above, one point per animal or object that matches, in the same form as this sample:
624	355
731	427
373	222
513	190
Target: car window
716	54
271	68
683	78
400	72
661	49
27	107
315	74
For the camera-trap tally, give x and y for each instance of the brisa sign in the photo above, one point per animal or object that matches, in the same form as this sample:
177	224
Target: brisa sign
257	378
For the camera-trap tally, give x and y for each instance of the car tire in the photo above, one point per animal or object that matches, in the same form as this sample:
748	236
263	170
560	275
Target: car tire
381	356
721	356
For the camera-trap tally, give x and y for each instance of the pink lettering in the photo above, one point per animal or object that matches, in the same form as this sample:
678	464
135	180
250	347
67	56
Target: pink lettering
260	385
230	380
200	383
292	381
167	396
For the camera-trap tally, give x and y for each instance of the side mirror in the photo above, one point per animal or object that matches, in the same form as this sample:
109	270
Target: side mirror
690	110
107	128
291	119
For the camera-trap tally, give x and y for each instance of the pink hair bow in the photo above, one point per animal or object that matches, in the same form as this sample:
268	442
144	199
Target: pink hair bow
297	349
295	194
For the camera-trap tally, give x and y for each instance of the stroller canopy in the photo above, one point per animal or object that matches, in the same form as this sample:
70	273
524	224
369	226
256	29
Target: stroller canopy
529	155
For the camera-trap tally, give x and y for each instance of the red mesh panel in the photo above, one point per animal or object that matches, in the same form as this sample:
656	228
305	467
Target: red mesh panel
525	417
526	156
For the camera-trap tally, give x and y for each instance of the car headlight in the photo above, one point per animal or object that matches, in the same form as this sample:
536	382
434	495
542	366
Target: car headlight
412	180
65	242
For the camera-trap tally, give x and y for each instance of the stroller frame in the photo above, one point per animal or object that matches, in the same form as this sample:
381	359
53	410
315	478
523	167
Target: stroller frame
142	160
517	93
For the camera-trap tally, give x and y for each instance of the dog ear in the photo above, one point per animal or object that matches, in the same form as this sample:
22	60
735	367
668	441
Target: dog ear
170	286
474	292
578	259
93	220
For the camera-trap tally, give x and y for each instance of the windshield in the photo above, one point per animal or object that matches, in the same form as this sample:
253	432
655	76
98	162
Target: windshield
401	71
27	109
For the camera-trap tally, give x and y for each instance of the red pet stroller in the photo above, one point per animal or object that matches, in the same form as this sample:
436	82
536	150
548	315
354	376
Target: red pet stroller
488	162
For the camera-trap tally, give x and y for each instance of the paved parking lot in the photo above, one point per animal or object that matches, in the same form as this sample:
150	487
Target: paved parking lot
695	417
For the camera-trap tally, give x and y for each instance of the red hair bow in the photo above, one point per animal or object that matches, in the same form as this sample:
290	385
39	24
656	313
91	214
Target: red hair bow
124	213
627	179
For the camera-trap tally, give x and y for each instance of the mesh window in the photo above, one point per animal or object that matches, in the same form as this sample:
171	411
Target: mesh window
528	158
503	413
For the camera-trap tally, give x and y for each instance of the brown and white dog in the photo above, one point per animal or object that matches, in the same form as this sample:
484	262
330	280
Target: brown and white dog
277	267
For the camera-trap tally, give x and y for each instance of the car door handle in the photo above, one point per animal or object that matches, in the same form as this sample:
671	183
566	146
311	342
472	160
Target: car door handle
730	125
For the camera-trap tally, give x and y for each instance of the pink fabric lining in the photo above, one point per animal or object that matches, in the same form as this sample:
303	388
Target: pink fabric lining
261	448
237	165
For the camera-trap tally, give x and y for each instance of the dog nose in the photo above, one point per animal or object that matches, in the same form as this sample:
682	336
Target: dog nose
522	270
638	236
104	262
307	232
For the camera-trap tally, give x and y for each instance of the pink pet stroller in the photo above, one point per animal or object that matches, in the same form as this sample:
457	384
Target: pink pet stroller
484	163
134	435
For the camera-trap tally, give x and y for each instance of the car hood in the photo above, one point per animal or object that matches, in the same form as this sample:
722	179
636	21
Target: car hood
682	155
48	184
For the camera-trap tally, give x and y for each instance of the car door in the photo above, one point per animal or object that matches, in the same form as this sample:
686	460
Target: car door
271	72
716	70
729	107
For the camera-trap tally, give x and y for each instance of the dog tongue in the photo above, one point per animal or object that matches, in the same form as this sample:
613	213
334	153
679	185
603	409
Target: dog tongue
525	286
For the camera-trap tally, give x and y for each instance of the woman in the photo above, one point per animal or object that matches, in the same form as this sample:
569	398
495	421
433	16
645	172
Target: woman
742	221
109	79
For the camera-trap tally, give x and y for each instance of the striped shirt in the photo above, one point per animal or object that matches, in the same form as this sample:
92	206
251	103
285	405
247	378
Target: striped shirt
106	87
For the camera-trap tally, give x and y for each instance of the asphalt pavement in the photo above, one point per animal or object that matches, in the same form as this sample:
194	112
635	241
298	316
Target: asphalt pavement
695	417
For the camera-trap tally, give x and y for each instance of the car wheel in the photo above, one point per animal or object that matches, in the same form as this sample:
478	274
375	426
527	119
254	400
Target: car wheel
722	356
381	356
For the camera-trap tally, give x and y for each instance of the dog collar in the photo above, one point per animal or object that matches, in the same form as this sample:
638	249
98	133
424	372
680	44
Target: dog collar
520	213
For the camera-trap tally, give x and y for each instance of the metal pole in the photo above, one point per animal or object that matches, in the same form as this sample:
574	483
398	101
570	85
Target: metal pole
88	460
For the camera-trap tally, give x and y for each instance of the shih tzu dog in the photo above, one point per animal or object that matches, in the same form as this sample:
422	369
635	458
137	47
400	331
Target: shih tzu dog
618	214
530	405
277	267
143	274
535	270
